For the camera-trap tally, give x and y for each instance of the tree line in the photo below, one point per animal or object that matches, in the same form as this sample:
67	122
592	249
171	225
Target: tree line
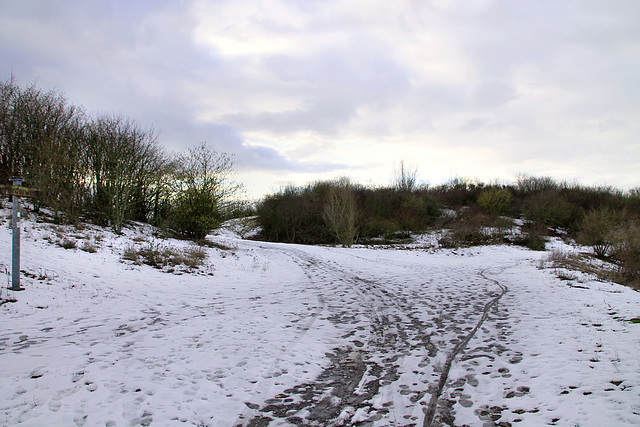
109	169
466	212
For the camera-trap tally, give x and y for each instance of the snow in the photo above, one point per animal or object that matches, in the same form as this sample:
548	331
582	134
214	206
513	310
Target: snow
95	340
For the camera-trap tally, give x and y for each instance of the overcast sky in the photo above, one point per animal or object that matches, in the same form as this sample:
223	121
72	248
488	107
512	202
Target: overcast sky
306	89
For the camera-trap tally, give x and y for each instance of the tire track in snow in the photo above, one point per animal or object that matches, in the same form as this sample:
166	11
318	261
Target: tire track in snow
445	323
392	360
388	342
341	388
433	403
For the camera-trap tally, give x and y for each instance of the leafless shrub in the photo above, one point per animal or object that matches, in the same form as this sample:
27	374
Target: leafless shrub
597	229
89	246
341	212
405	177
130	254
471	227
564	263
193	257
531	184
68	243
533	236
626	251
161	256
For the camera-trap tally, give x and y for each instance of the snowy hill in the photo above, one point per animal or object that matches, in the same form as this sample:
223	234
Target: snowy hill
243	332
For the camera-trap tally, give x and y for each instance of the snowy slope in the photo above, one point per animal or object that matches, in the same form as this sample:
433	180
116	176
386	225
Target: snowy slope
262	332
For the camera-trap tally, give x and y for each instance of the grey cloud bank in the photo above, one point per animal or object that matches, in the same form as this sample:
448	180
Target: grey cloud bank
303	90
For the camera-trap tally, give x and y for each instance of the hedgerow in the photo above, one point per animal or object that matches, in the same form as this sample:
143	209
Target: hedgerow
299	214
601	217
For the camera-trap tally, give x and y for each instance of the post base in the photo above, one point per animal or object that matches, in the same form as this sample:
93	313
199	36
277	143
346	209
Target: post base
16	289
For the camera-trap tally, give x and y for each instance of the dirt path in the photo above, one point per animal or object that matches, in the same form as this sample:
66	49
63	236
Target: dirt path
401	334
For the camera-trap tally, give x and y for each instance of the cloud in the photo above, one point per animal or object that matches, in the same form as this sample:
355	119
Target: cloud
474	124
269	159
247	156
319	115
326	87
334	86
492	94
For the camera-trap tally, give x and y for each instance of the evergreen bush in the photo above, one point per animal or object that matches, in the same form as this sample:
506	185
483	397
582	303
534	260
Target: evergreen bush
496	201
195	214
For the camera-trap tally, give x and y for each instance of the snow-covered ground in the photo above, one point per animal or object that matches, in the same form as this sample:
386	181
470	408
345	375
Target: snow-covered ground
274	334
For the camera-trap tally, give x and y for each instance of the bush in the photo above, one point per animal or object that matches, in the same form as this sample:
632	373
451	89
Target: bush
278	215
295	215
533	241
68	244
160	256
633	200
195	214
597	228
550	208
626	249
341	212
534	237
458	192
465	235
88	246
374	227
496	201
416	212
204	190
307	214
472	227
534	184
385	211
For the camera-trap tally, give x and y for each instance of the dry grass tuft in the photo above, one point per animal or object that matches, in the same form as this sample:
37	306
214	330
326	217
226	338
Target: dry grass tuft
162	256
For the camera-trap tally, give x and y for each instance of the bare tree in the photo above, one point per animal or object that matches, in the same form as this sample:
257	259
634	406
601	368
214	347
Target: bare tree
341	212
405	178
120	156
12	129
204	190
41	138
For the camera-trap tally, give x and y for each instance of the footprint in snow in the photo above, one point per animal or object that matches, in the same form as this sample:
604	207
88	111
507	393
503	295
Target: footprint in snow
38	372
55	404
80	420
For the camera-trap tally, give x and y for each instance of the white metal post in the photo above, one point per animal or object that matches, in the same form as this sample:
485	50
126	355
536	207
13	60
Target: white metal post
15	263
